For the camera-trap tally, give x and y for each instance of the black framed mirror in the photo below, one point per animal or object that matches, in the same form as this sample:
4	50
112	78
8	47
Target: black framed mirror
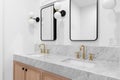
83	20
48	24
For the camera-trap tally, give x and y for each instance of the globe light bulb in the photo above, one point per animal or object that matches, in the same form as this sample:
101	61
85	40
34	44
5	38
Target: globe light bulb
57	6
31	21
109	4
57	15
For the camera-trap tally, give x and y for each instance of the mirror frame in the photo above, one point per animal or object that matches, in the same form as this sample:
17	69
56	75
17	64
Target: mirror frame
54	23
97	16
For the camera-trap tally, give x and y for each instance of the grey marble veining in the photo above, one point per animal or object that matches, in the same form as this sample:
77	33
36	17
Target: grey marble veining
105	53
52	63
109	54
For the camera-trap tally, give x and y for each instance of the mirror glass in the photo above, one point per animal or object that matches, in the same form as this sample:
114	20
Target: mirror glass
83	20
48	23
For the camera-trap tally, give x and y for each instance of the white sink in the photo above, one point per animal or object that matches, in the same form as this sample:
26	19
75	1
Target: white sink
79	63
36	55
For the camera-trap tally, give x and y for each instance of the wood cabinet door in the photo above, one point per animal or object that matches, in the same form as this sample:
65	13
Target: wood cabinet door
32	74
26	72
19	73
50	76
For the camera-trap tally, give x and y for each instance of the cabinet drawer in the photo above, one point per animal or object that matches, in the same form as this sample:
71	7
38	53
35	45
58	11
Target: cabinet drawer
26	72
51	76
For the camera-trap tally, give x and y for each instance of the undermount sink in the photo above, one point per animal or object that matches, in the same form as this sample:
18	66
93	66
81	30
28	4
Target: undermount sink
36	55
79	63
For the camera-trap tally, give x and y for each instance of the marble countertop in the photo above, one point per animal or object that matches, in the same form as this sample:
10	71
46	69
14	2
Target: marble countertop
54	64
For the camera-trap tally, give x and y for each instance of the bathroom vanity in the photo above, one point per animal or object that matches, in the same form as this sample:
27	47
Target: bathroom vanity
26	72
57	67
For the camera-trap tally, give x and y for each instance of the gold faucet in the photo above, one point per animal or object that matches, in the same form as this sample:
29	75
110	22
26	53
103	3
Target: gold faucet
82	48
43	48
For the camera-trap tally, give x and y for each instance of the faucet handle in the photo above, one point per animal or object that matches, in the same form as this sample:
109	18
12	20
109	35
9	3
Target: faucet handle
47	51
77	54
91	56
41	51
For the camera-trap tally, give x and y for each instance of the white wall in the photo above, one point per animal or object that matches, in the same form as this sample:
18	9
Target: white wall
1	39
18	34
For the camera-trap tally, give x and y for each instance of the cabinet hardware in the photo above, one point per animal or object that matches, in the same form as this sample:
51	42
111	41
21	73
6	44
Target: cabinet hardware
77	55
26	70
22	68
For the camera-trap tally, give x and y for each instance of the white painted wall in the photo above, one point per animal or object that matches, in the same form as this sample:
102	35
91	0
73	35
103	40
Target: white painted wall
1	39
18	34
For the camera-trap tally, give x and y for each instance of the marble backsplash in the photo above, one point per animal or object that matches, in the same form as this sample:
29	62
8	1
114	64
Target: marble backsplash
109	54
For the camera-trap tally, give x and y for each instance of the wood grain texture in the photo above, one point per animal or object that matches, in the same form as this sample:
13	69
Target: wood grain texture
50	76
19	74
33	73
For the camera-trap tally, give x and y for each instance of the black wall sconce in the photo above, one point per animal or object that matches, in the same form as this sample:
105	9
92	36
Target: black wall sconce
33	19
59	13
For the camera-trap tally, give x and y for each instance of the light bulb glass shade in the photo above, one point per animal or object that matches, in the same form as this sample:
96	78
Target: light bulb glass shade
57	15
31	21
109	4
57	6
31	14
